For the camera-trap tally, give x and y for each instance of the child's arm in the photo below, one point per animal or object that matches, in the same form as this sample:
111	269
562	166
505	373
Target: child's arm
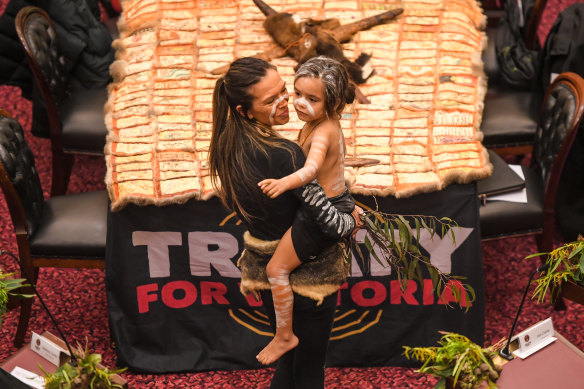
316	155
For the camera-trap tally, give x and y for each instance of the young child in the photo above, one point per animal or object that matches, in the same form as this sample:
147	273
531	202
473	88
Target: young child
321	91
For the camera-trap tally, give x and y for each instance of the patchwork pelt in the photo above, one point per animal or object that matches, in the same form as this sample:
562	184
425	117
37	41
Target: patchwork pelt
422	124
316	279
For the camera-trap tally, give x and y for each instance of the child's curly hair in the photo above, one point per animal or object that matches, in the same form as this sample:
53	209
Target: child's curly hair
338	90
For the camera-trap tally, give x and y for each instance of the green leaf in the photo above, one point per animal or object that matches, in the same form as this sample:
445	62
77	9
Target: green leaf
411	270
392	233
433	227
403	234
371	251
419	276
576	251
21	296
440	384
359	252
434	276
424	225
470	291
371	224
451	230
535	255
404	221
94	359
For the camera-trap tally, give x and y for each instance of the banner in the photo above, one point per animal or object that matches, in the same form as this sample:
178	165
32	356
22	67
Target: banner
175	306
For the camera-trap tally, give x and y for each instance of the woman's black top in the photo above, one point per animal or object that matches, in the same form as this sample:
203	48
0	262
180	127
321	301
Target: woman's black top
272	217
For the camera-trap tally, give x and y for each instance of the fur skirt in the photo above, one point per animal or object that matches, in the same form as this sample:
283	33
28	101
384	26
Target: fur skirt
315	279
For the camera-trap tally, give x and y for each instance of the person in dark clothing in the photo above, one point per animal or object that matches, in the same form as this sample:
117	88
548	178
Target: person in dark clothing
84	43
244	150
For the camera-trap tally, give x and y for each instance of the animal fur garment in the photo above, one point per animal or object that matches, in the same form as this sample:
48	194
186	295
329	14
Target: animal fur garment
315	279
303	39
289	32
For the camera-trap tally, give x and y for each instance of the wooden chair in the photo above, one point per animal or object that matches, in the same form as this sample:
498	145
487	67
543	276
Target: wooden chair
559	121
64	231
76	119
509	118
572	291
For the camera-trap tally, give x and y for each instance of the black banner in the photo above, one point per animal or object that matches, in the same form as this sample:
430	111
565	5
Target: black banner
175	306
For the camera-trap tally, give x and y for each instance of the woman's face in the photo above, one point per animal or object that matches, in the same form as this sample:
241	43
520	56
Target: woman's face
309	99
270	100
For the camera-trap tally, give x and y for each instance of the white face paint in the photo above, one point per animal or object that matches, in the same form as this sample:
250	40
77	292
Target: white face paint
275	106
305	104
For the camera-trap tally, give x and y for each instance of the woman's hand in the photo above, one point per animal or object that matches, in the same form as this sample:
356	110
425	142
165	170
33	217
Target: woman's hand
274	188
357	212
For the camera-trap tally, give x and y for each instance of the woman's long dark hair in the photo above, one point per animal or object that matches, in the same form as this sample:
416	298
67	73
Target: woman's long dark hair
236	137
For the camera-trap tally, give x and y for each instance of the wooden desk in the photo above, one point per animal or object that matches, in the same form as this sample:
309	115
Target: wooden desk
558	365
33	362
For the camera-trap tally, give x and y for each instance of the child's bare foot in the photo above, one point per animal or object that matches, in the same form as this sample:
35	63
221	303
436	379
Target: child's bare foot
276	348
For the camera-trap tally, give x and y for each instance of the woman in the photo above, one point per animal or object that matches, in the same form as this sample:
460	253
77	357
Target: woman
321	91
244	150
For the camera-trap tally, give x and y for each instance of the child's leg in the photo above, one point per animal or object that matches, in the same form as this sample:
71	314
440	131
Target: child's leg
278	270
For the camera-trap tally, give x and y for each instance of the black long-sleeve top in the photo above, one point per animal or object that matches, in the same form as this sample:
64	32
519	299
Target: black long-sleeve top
272	217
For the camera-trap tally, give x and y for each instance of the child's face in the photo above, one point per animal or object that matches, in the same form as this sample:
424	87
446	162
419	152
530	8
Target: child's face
309	99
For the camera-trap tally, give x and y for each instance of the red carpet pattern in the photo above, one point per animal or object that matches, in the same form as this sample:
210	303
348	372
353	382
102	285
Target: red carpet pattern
78	301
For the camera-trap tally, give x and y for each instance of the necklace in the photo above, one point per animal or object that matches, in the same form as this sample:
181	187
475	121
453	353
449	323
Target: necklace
263	129
308	132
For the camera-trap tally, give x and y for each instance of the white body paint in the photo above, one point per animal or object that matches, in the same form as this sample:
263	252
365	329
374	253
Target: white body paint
275	106
339	184
283	297
315	159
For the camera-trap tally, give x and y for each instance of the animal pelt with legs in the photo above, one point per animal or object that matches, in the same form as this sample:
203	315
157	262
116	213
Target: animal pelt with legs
309	38
304	39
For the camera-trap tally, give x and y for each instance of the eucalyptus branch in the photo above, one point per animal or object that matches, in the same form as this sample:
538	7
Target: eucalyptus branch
460	359
87	372
396	246
565	263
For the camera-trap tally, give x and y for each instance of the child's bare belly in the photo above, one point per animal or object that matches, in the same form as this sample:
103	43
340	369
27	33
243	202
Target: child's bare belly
333	186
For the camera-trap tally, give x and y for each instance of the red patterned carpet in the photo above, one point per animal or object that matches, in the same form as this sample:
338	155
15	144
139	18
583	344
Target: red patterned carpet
78	301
